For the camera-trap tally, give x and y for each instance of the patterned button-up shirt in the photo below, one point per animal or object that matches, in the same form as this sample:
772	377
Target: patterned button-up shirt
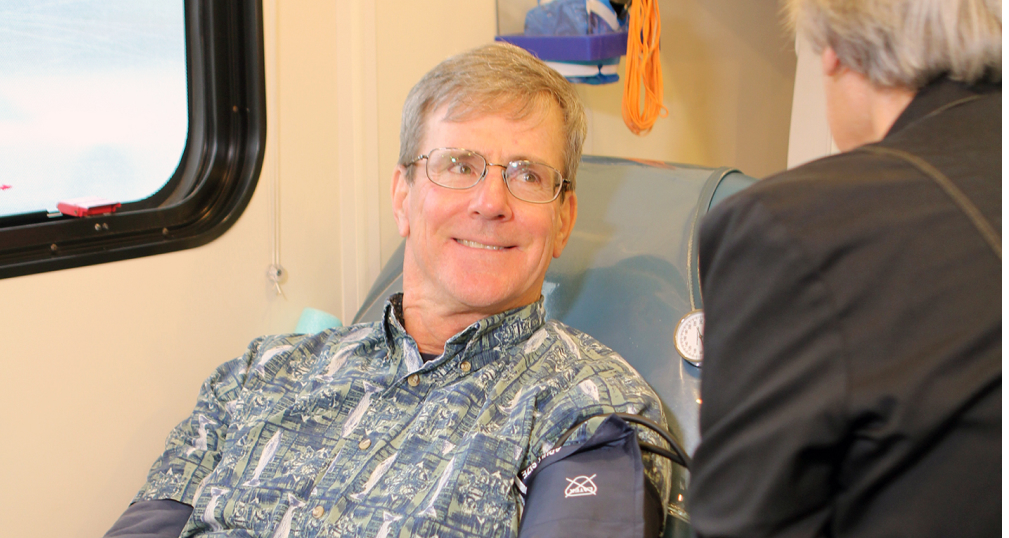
348	433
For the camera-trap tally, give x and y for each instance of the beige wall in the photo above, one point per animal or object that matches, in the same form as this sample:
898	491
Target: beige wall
809	135
728	70
100	362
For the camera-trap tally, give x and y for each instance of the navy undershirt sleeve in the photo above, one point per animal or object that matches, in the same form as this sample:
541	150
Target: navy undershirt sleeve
162	518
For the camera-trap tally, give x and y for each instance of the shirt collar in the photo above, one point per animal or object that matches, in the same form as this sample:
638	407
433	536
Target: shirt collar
479	340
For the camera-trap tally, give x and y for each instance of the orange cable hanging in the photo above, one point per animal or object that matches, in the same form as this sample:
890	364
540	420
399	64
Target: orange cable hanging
644	68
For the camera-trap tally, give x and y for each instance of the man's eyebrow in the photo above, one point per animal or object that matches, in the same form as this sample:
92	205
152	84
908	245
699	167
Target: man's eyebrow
530	159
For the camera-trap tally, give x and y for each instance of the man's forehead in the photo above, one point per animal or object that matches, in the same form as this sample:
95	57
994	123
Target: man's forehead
545	117
512	106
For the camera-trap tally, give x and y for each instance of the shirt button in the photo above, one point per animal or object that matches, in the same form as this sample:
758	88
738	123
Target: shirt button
363	445
413	380
465	366
318	512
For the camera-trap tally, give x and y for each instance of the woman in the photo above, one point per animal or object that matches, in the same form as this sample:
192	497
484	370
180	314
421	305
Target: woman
852	382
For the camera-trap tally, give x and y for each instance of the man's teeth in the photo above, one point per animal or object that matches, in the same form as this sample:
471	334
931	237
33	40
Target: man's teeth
474	244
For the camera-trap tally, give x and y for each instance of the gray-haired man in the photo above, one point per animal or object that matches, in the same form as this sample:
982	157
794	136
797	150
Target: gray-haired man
418	425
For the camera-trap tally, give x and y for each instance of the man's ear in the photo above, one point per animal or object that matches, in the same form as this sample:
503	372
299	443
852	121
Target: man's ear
568	213
400	200
829	62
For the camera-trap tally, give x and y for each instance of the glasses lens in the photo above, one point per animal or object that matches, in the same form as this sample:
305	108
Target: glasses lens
533	182
455	168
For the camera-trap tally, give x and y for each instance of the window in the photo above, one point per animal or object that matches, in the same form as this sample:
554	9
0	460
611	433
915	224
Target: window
157	105
75	100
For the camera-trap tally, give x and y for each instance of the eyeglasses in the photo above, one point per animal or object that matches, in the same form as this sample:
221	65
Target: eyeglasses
456	168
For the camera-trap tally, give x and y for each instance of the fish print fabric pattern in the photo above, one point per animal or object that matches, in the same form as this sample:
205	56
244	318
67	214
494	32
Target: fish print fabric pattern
341	434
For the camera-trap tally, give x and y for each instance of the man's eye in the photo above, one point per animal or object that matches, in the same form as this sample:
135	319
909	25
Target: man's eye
462	168
528	176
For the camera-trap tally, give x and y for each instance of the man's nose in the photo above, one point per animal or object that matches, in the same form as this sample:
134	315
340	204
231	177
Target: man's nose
492	199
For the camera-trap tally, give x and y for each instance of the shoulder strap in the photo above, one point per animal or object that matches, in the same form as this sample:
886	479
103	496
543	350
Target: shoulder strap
959	198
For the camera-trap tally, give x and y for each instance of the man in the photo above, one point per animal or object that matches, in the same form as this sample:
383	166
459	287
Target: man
420	424
852	382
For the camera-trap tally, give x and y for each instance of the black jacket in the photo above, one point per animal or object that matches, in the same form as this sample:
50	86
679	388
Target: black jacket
852	378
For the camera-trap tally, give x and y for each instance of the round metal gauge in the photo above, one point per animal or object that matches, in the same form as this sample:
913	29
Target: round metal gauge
689	337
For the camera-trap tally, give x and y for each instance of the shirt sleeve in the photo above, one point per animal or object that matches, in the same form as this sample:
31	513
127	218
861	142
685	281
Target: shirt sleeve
605	384
773	381
192	449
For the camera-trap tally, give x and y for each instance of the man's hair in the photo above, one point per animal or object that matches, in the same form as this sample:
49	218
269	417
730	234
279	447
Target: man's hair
492	79
906	43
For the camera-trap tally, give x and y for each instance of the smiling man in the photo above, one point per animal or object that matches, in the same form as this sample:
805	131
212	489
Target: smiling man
480	236
419	425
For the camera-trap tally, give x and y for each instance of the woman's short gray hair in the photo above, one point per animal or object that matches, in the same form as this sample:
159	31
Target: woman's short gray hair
906	43
491	79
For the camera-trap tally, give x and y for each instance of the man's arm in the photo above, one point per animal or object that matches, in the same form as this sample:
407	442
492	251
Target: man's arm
192	450
773	382
595	488
608	384
605	385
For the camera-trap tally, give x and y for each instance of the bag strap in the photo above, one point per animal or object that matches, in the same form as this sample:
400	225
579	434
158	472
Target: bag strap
677	455
968	208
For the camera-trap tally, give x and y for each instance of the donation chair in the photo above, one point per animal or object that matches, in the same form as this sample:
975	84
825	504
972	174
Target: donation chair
629	278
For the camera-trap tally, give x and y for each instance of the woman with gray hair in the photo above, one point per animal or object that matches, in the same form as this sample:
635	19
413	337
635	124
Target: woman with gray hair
852	380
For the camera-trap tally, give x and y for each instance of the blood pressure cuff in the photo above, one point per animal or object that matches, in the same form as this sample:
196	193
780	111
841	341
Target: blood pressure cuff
597	488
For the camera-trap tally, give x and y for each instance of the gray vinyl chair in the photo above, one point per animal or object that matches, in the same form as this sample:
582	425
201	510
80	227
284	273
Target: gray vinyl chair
628	276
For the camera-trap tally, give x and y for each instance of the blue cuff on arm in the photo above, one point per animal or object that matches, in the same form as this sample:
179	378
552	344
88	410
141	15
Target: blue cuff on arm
162	518
594	489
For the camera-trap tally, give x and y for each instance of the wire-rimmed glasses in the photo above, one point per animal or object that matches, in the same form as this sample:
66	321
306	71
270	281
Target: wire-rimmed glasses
457	168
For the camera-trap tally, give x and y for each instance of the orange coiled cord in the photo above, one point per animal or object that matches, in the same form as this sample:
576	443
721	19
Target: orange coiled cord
644	68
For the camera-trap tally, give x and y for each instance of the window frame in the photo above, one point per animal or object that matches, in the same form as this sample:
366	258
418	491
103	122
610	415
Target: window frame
217	173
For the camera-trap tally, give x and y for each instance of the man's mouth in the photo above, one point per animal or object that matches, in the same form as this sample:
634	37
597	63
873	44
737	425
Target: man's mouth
474	244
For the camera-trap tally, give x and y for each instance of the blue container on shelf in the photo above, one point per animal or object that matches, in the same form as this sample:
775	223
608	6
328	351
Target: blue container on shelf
582	39
571	48
584	59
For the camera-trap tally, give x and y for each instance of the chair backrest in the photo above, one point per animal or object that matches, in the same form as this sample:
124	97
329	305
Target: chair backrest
628	276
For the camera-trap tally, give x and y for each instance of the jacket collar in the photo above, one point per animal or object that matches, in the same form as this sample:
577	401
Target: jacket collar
936	96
